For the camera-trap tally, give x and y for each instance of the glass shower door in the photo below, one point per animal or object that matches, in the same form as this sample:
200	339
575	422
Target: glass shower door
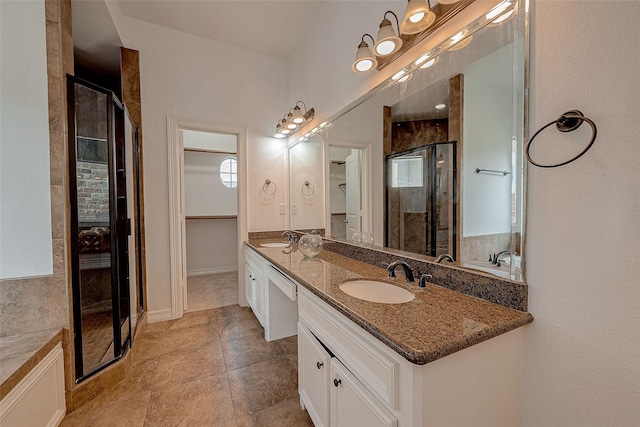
421	199
98	224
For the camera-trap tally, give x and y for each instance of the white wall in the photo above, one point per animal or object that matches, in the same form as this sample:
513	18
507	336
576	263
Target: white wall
486	204
204	193
25	202
212	246
209	141
306	163
208	82
582	352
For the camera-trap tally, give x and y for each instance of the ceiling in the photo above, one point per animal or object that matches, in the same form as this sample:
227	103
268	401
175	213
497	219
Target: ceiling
271	27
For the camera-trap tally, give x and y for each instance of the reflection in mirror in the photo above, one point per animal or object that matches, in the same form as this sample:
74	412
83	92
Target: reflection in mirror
481	125
345	180
306	185
421	200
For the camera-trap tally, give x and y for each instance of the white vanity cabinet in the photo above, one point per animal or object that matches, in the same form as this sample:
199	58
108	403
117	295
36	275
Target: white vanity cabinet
347	377
254	283
330	393
272	296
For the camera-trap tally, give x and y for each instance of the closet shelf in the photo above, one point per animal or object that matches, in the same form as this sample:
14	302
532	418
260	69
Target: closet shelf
211	217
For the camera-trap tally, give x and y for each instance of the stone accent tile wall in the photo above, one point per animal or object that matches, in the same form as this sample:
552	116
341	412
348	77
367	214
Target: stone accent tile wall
93	192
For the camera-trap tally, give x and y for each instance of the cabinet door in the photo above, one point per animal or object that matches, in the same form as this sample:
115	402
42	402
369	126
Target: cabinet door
352	405
313	376
248	287
258	298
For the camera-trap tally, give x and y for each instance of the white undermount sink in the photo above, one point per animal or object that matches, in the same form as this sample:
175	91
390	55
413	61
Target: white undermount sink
375	291
275	244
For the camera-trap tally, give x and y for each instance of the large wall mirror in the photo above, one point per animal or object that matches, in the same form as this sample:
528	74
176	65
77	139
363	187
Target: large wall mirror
431	165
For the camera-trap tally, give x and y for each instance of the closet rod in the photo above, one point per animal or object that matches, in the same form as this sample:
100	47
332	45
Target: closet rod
204	150
212	217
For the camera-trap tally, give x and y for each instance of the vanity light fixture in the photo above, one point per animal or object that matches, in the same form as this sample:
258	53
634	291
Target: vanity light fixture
365	61
418	17
460	40
502	13
388	40
425	61
405	77
293	119
397	76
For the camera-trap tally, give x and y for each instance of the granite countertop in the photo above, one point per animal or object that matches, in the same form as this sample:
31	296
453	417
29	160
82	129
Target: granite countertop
438	322
19	354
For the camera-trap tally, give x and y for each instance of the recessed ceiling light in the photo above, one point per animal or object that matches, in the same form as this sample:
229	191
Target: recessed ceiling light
440	106
279	135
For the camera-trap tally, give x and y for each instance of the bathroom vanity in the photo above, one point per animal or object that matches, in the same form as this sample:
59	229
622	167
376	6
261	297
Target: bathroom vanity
443	358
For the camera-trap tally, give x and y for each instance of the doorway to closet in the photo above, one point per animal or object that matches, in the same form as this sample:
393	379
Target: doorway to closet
207	193
211	219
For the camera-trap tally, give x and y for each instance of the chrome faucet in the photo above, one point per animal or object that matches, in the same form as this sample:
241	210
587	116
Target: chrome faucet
291	236
444	257
408	272
496	257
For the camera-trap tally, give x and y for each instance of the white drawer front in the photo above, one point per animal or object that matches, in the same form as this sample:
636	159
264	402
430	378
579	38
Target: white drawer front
352	345
254	261
283	282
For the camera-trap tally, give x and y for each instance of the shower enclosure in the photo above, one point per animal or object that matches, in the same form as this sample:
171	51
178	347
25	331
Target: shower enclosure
421	199
105	255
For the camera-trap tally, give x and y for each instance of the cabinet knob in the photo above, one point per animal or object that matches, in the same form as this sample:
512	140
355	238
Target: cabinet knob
337	382
319	365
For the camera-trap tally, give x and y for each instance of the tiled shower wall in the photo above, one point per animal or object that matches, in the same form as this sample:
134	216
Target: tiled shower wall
33	304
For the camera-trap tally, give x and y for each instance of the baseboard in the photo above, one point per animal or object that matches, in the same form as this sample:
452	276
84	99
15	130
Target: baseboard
202	272
159	315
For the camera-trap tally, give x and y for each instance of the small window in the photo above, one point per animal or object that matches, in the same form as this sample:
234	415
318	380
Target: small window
229	172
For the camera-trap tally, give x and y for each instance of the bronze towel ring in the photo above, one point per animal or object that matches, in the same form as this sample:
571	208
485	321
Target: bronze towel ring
569	121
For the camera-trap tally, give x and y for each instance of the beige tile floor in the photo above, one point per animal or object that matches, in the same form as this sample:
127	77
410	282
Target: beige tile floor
210	368
212	291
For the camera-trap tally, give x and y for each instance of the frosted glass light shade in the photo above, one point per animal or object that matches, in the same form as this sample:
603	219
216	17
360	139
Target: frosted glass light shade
365	61
388	41
297	116
417	18
462	43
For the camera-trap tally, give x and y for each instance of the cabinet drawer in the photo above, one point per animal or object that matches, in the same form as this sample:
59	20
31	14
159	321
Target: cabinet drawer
358	351
254	261
283	282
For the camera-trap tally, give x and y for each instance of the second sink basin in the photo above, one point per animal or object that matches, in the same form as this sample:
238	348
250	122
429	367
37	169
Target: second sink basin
374	291
275	244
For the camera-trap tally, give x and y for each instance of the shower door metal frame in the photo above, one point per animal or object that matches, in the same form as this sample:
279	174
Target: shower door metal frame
118	230
431	227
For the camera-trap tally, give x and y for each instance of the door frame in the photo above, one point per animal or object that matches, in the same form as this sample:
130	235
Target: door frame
177	248
366	180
